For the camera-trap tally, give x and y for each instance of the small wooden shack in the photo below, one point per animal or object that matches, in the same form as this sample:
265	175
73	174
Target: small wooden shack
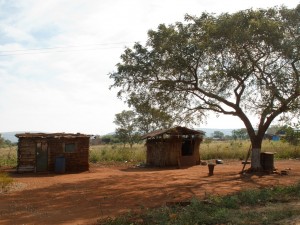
63	152
178	146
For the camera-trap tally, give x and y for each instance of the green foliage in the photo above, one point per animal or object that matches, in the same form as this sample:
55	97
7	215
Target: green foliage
274	129
241	64
292	136
5	143
222	210
127	131
110	139
149	118
218	134
5	182
240	134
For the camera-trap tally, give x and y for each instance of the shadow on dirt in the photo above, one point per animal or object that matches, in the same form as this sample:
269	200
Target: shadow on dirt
111	191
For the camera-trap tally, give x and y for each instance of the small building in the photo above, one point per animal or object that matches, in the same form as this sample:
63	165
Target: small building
178	146
42	152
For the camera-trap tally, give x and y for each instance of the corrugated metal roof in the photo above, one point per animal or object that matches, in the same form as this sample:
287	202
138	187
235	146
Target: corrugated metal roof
173	131
50	135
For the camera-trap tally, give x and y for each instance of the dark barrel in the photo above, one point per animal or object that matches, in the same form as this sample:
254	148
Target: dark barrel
211	169
267	161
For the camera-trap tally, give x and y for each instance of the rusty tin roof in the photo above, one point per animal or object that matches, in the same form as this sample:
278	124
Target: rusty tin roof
173	131
50	135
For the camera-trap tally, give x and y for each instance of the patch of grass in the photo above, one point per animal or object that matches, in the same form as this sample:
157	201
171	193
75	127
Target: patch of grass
117	153
8	157
263	216
208	150
239	149
5	182
283	150
224	150
247	207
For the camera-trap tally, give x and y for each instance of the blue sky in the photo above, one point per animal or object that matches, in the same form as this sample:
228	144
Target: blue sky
55	56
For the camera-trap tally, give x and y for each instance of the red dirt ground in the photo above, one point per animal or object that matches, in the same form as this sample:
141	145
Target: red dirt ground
110	191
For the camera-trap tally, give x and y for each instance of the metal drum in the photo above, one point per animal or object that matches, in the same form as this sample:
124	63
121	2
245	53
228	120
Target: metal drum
267	161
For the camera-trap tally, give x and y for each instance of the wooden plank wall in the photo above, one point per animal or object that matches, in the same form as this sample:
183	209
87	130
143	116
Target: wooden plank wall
26	155
163	152
167	152
74	161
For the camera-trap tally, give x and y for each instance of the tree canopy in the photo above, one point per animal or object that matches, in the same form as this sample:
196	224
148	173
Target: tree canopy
149	118
127	131
240	134
218	134
240	64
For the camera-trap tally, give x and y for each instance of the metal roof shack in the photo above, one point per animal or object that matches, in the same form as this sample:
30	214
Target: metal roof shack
177	146
59	152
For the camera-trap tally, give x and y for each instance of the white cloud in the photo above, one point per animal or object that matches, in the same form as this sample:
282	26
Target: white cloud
66	89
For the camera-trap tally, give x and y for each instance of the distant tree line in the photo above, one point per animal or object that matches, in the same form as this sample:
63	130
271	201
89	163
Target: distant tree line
132	135
238	134
285	133
5	143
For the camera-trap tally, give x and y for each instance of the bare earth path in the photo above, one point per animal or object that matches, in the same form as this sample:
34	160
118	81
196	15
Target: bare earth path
109	191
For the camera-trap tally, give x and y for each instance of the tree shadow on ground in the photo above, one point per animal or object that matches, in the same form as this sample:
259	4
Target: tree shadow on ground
97	195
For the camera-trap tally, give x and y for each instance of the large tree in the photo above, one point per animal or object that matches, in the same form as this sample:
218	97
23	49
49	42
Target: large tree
126	131
149	118
240	64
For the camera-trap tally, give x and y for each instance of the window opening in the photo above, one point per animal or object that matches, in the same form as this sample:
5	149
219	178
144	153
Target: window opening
70	147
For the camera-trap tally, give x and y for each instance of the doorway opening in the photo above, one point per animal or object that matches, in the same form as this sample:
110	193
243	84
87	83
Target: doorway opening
187	147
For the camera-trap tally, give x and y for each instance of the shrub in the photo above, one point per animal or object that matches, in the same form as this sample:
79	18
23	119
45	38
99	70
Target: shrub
5	182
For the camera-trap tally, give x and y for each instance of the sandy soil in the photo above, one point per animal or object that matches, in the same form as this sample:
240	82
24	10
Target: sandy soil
109	191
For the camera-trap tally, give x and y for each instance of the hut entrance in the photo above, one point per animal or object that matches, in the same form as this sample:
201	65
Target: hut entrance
187	147
41	156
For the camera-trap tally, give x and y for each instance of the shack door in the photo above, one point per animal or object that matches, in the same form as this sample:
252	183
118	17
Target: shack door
187	153
41	157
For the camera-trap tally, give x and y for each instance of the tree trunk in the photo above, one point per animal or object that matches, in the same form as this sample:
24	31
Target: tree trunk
255	156
255	159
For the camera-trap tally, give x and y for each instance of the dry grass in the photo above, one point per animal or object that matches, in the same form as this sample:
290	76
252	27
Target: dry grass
5	182
213	150
239	149
117	153
8	157
208	151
